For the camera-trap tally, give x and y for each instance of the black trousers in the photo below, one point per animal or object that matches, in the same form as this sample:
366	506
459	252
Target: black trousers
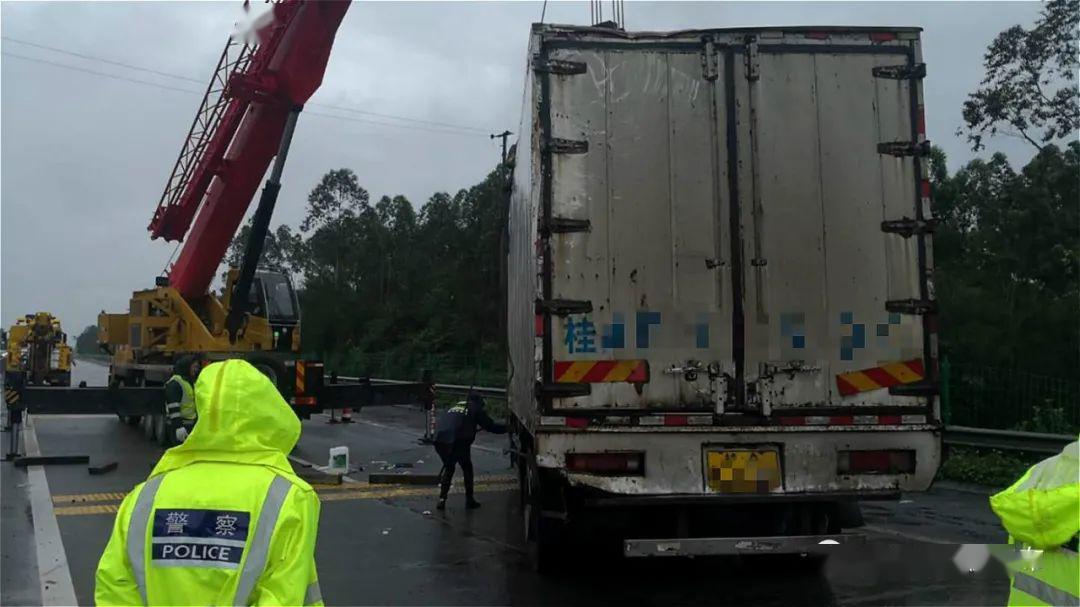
457	453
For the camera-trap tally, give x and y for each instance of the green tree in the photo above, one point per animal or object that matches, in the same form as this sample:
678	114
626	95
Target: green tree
1030	88
87	341
1007	254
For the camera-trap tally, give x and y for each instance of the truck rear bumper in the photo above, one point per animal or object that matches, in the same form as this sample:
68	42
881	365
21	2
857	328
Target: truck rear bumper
674	462
660	501
709	546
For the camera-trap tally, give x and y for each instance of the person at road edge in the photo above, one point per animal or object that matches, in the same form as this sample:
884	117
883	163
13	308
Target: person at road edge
222	519
455	431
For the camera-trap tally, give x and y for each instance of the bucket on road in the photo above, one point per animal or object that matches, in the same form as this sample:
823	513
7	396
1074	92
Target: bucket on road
339	460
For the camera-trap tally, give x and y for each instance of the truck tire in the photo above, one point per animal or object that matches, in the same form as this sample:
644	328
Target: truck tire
546	543
148	426
161	431
269	366
131	420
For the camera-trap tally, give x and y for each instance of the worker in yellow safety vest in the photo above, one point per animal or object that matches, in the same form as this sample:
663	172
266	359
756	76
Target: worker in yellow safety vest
222	519
180	408
1041	512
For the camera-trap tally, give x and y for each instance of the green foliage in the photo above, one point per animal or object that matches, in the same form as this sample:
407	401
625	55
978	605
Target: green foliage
1007	255
1030	88
387	291
87	341
988	467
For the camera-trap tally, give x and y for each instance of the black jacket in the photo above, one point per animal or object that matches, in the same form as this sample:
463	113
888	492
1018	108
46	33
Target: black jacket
458	423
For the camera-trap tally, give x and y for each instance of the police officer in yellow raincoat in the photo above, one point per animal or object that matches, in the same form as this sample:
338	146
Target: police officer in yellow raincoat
1041	512
222	520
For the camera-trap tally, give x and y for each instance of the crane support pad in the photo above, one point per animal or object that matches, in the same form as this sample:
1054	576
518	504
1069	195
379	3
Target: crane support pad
100	400
48	460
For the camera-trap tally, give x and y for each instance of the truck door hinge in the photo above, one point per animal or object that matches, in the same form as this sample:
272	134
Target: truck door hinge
753	65
709	68
922	388
560	67
563	307
556	145
558	390
911	306
900	72
565	225
907	227
904	148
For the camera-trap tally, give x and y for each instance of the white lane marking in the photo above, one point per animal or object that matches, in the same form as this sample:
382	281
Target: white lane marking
906	535
53	570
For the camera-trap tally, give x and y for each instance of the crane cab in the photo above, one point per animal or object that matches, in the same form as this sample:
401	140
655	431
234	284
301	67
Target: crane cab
273	297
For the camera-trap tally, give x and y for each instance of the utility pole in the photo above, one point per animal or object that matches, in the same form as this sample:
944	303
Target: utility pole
503	135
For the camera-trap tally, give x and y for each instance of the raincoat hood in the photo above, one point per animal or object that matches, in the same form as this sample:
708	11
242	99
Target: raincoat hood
242	419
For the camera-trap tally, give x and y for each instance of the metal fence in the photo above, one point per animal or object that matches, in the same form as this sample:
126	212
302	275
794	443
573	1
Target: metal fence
1009	399
447	368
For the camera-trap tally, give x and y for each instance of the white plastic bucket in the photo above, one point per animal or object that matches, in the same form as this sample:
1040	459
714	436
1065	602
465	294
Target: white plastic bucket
339	460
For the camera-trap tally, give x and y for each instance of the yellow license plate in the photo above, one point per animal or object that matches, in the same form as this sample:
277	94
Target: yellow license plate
743	470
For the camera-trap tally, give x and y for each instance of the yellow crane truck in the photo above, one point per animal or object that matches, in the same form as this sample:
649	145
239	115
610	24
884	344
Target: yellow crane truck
37	346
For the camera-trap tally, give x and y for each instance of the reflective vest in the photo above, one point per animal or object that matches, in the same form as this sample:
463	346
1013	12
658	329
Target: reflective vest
222	519
185	409
1041	512
1044	577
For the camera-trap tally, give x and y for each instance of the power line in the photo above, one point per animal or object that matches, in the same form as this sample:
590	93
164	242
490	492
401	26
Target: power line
96	73
468	128
432	126
101	60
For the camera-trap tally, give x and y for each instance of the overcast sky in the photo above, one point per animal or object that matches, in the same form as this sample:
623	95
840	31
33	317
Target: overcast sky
85	157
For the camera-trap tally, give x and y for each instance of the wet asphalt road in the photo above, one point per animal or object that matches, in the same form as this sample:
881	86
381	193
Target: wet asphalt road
387	545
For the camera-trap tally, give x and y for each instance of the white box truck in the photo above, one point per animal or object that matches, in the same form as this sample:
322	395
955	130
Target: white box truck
720	308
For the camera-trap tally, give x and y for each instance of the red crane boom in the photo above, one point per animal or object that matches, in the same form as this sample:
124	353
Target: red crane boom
237	132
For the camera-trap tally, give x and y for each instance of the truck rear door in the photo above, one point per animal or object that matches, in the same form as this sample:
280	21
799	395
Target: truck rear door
633	218
830	179
711	232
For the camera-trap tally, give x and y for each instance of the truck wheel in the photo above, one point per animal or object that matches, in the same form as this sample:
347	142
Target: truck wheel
148	426
269	366
545	536
161	431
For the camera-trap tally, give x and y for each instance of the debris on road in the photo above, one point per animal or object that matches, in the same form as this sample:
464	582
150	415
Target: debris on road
102	469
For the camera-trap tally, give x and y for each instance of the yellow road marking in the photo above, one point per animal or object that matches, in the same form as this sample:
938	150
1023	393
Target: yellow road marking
89	497
96	509
328	493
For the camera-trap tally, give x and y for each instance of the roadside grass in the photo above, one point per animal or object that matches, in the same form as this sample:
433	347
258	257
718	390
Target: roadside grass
988	467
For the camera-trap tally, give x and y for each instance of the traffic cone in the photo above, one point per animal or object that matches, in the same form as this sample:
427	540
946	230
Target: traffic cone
346	416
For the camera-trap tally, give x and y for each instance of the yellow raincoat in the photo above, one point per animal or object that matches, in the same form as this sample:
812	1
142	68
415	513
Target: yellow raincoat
1041	512
222	519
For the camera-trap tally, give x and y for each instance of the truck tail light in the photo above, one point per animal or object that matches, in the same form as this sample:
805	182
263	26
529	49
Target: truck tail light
895	461
616	464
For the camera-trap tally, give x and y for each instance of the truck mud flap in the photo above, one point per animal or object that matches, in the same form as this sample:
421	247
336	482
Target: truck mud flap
719	546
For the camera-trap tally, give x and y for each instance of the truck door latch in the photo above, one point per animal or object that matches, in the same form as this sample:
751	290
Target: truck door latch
907	227
911	306
900	72
561	67
904	148
563	307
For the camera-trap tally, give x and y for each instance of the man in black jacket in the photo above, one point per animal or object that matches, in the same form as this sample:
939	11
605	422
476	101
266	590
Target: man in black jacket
455	430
